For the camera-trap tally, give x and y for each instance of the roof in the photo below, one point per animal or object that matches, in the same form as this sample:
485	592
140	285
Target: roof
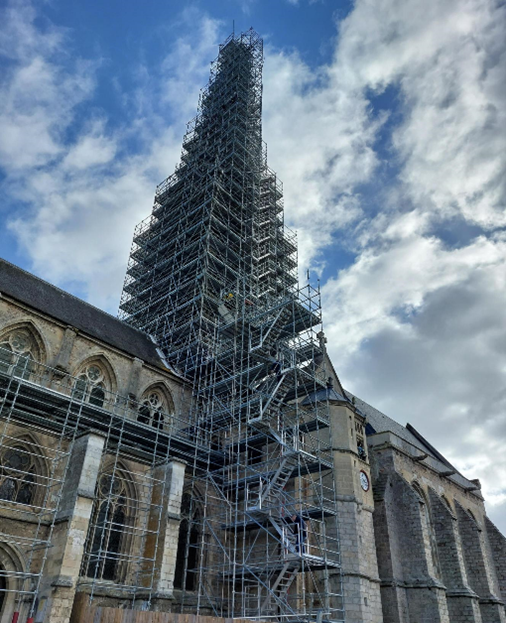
378	422
381	423
48	299
329	394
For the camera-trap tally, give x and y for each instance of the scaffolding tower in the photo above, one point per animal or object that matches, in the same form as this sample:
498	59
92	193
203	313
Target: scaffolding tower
212	276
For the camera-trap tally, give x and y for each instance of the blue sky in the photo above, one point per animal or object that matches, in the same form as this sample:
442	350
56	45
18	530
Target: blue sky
386	122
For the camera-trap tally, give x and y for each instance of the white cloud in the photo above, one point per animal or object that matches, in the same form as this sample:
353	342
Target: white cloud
186	67
91	149
37	94
415	324
385	286
19	39
81	198
37	104
320	141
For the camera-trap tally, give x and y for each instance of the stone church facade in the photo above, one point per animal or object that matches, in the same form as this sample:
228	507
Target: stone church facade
201	456
68	349
416	545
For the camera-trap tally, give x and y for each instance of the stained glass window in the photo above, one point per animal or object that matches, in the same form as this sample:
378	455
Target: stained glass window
107	526
17	475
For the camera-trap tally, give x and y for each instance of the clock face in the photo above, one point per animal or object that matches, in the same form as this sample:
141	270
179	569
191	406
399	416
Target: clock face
364	481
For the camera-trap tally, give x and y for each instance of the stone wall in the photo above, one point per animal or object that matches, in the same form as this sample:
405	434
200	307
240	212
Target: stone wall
410	587
480	567
436	562
498	549
359	574
68	350
126	379
463	604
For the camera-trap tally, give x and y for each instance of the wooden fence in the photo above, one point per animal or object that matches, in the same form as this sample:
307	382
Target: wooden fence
84	613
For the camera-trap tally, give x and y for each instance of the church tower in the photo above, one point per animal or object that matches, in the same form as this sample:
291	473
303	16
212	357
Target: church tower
196	250
212	277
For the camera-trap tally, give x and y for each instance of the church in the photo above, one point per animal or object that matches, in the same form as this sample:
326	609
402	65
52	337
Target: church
198	455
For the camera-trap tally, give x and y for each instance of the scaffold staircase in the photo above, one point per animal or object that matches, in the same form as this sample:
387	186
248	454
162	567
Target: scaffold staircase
280	585
269	491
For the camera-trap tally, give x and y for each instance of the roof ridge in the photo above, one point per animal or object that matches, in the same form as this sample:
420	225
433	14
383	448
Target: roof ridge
77	298
41	295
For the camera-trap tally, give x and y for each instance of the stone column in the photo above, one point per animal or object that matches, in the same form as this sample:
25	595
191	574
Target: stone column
359	573
463	605
480	569
134	378
63	565
163	524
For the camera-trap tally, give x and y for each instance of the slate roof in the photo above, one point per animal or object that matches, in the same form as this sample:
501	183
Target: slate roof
381	423
44	297
329	394
378	422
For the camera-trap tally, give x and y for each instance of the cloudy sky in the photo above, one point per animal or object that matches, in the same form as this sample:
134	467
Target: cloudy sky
384	118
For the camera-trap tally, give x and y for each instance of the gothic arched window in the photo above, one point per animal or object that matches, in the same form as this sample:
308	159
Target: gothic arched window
17	475
18	351
107	527
190	530
430	528
155	410
90	385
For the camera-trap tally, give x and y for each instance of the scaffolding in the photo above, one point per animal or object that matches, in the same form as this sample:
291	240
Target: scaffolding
43	412
32	476
212	276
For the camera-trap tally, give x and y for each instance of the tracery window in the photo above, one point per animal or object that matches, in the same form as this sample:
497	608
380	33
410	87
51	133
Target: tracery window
90	385
190	530
107	527
154	410
17	353
17	475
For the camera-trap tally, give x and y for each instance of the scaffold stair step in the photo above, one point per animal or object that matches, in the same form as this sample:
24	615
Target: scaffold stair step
280	478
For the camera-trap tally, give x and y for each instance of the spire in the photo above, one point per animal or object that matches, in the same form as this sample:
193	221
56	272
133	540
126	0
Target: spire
215	240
